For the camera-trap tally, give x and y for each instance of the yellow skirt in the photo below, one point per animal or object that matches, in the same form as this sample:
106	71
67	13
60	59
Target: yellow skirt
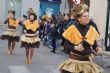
75	66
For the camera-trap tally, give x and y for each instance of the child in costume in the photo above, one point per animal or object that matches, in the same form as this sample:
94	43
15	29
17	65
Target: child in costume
30	39
10	34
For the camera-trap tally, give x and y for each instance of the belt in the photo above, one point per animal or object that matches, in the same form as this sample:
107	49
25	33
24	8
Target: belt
30	35
11	29
78	57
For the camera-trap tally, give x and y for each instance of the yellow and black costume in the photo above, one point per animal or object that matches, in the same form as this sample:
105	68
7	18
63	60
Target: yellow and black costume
30	39
80	62
11	34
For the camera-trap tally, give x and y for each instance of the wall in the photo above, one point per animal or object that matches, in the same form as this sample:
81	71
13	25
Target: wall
98	9
64	8
26	4
2	9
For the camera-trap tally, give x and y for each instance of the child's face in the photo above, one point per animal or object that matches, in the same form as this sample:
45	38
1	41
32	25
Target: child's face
10	15
31	17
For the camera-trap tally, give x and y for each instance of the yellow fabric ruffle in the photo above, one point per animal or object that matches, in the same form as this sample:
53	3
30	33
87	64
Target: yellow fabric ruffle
13	22
30	39
31	25
10	32
75	66
73	35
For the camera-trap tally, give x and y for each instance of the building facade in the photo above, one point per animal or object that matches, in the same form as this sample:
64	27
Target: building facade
20	6
49	6
99	14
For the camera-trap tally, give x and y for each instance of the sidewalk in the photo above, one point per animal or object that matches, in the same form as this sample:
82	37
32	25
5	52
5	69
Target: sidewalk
106	53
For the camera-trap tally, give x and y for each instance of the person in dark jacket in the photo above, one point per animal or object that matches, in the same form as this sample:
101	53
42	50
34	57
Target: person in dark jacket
54	36
30	40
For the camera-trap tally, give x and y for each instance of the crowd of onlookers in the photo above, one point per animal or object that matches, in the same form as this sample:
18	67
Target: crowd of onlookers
51	29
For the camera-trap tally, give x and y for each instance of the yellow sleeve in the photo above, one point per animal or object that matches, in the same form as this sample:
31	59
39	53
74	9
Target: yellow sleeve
69	34
27	24
96	34
35	26
16	23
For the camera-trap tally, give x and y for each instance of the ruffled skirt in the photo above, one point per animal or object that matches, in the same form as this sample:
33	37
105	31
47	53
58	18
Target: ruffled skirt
11	35
30	41
75	66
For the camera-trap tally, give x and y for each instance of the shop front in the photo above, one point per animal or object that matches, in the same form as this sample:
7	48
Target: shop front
49	6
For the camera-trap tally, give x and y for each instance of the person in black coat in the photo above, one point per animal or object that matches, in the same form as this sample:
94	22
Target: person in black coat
54	36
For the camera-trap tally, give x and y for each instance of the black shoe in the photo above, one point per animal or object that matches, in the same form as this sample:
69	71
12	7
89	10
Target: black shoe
108	66
63	50
52	51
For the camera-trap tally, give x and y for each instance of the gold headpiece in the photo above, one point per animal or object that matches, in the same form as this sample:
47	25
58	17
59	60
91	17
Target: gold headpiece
79	9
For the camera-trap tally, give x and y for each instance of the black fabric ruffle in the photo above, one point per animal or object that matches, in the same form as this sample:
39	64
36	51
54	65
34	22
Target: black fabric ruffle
30	45
10	38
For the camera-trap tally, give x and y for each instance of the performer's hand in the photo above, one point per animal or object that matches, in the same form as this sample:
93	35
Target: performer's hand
79	47
99	50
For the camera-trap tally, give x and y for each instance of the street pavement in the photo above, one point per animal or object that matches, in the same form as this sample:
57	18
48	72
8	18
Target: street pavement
43	61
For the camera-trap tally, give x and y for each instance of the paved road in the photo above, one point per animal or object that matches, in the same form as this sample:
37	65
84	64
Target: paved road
43	61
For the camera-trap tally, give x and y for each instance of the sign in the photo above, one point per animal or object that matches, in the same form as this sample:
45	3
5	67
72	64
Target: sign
77	1
49	12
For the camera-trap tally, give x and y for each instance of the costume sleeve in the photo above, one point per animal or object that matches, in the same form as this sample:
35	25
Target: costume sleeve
21	23
94	25
96	34
95	45
69	34
6	21
35	27
69	46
